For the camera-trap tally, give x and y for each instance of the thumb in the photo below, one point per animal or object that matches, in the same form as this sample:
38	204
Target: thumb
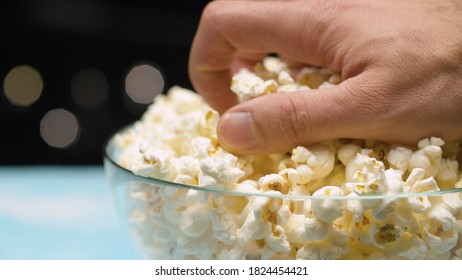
279	122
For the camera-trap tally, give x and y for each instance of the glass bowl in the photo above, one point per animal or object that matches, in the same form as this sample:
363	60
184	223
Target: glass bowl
174	221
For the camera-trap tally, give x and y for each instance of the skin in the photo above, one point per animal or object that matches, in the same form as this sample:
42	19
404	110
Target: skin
401	62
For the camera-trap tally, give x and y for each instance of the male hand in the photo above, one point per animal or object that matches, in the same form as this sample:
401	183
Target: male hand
401	62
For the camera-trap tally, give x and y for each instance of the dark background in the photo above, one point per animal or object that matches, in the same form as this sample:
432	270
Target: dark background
61	37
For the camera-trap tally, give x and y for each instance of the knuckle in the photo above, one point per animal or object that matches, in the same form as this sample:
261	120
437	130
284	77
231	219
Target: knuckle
370	101
213	12
293	121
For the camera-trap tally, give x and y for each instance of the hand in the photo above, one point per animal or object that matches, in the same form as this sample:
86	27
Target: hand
401	62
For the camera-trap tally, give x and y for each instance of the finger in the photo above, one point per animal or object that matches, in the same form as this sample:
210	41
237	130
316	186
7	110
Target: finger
279	122
292	63
246	26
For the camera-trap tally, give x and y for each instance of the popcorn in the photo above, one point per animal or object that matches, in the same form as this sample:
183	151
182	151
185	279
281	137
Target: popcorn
273	182
384	209
399	158
411	247
355	207
428	157
319	251
327	210
254	224
416	184
395	184
218	173
452	202
195	220
247	86
203	247
250	252
305	173
173	211
384	234
321	160
447	175
224	225
276	239
406	217
438	240
300	229
315	229
154	163
273	65
291	176
301	154
347	152
313	77
201	147
359	199
208	125
365	176
184	100
157	216
442	216
284	78
343	230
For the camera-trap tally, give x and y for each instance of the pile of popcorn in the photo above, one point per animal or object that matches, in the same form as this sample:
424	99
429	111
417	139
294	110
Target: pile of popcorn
339	199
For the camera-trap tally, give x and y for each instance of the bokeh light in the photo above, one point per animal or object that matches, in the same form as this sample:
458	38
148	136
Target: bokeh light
59	128
23	85
89	88
143	83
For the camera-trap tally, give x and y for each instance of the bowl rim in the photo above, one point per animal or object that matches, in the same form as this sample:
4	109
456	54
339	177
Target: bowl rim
108	159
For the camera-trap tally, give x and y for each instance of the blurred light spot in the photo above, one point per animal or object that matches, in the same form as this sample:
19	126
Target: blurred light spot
143	83
89	87
23	85
59	128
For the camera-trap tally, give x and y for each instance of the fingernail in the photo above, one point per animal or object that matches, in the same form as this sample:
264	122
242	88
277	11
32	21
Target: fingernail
236	131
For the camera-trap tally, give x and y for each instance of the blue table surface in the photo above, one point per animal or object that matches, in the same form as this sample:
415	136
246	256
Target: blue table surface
59	213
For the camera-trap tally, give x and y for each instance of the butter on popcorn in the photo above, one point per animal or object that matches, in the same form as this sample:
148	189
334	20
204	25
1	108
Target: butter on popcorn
339	199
